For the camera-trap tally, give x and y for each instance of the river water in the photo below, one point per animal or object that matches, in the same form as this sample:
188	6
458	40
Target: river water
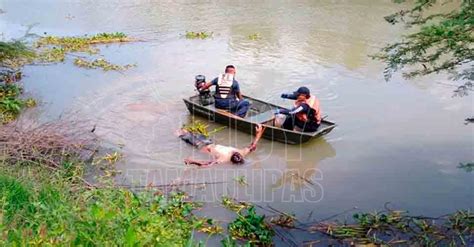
398	141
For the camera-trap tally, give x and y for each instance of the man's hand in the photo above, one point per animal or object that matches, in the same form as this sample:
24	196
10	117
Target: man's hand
252	147
204	86
259	128
282	111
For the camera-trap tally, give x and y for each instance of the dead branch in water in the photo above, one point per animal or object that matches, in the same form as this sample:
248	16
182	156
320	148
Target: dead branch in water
48	144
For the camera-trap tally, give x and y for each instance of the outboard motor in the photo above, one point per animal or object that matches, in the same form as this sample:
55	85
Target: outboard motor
205	96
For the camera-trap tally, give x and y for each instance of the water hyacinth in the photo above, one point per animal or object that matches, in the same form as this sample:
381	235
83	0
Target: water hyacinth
100	63
52	49
198	35
10	102
254	36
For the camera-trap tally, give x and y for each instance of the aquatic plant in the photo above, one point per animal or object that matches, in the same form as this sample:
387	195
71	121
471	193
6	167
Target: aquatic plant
10	102
100	63
209	226
252	227
10	76
198	127
52	49
198	35
284	220
13	55
233	205
254	36
242	180
468	167
82	43
397	227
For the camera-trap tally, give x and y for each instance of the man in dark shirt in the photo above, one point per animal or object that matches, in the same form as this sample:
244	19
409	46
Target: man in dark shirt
228	95
301	116
306	115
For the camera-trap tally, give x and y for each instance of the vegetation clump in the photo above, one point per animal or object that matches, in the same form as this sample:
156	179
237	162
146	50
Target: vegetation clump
252	227
52	49
242	180
397	227
254	36
468	167
233	205
200	128
10	102
100	63
14	54
49	49
198	35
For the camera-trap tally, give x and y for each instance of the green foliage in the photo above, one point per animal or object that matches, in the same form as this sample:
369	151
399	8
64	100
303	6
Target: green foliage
10	102
54	49
233	205
468	167
43	208
14	54
100	63
443	42
75	44
254	36
198	35
14	197
198	127
251	226
397	227
242	180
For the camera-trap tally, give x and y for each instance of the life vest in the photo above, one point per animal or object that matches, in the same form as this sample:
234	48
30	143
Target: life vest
224	85
313	103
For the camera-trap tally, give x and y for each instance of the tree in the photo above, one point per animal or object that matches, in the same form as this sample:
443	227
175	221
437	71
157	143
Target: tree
443	42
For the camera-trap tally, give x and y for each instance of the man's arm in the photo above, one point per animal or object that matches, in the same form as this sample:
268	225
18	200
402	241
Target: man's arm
318	112
209	84
239	95
236	88
189	161
259	132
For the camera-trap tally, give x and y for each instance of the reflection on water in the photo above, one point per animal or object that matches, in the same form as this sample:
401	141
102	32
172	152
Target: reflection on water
302	167
397	141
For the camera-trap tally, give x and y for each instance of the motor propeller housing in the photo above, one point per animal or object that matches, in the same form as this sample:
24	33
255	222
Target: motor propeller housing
205	96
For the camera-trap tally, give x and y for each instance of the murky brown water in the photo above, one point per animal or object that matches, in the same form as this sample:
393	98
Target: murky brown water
396	142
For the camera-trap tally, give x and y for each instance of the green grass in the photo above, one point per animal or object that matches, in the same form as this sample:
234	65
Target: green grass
42	207
14	54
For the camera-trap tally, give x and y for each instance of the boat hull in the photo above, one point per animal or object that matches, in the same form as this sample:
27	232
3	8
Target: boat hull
248	124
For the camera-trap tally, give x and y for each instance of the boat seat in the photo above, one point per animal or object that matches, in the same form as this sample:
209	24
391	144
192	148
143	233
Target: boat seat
261	117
